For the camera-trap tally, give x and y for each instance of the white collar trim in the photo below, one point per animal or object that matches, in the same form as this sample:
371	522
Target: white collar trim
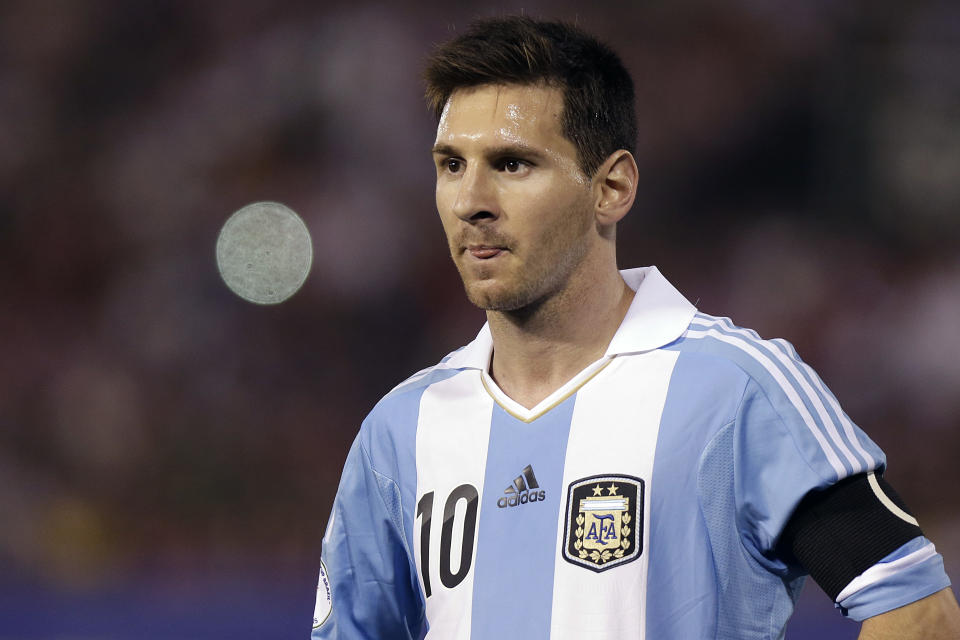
658	315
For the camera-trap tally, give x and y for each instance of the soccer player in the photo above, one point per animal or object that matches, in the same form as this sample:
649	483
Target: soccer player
603	460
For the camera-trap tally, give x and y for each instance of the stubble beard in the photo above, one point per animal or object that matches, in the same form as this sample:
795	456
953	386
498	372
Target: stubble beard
504	298
529	286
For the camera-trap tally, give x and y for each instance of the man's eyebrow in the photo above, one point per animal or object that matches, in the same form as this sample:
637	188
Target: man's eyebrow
514	149
443	149
502	151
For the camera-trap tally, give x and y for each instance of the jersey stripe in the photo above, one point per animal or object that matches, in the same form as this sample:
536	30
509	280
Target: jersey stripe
513	584
452	436
791	358
614	430
848	428
806	376
710	330
814	398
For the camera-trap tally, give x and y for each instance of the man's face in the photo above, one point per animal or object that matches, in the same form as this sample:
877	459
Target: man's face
515	206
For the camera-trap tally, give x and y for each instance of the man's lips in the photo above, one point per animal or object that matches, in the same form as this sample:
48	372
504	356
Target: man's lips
484	252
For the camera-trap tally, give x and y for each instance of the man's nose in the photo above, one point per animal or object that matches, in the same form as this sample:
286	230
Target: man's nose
476	195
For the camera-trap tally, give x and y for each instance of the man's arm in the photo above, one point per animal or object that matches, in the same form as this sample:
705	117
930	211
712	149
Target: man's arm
867	552
367	588
936	617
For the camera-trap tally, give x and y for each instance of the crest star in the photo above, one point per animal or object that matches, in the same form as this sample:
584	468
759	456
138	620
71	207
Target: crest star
597	490
613	489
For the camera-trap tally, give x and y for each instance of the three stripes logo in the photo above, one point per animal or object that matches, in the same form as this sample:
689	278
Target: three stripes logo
524	489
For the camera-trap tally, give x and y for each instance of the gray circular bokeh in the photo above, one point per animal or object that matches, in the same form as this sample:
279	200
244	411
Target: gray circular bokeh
264	252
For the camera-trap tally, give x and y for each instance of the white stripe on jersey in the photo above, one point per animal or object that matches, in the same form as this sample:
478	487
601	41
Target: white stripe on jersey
616	421
790	389
453	433
789	357
848	427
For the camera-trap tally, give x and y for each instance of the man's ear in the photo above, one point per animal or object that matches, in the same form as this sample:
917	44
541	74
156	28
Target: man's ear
615	187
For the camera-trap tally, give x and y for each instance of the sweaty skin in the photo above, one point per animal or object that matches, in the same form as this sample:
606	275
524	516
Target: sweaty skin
513	178
532	236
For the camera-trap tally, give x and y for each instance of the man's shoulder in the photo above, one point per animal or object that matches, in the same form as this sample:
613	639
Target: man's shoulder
794	394
720	339
409	391
392	424
430	375
474	355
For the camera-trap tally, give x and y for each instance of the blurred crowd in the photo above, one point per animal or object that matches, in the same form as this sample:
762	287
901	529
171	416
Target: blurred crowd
800	170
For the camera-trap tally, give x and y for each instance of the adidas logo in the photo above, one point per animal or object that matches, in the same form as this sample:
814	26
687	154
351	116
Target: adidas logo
522	490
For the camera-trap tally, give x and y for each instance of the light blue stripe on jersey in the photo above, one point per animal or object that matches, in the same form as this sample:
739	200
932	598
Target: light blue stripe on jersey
513	583
391	441
683	604
374	587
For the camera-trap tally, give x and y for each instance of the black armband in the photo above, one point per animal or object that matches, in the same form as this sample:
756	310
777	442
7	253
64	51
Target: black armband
840	532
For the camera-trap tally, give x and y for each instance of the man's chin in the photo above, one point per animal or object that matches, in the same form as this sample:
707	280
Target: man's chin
491	297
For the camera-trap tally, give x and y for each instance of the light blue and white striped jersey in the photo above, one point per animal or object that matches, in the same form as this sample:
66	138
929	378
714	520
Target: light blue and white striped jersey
641	500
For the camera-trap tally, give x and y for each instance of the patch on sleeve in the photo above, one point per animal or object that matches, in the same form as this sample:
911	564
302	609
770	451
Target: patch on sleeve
324	599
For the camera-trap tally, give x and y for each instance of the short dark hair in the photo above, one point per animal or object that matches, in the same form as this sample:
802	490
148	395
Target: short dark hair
598	113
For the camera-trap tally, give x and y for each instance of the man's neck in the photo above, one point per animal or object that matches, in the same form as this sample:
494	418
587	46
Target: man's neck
537	350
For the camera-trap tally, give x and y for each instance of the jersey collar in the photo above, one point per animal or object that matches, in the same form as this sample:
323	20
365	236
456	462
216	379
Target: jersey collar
658	315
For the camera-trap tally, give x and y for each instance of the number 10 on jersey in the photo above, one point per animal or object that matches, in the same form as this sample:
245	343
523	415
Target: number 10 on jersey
448	577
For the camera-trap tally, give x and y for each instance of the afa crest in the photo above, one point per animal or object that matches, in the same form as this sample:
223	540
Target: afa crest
604	521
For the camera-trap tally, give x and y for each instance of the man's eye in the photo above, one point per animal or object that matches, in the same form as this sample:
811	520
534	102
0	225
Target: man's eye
452	165
511	166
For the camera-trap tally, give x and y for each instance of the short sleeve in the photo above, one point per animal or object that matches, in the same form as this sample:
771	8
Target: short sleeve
782	450
790	434
912	572
778	460
367	580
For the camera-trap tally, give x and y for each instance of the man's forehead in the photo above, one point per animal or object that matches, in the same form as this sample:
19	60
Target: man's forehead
508	109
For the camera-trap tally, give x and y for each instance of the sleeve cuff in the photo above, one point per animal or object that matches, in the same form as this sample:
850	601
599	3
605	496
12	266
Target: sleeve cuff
912	572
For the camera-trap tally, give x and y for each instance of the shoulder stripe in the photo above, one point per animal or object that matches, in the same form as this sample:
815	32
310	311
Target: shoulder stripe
787	388
793	362
794	378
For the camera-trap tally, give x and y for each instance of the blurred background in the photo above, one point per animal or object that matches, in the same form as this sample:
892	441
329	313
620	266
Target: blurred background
169	453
